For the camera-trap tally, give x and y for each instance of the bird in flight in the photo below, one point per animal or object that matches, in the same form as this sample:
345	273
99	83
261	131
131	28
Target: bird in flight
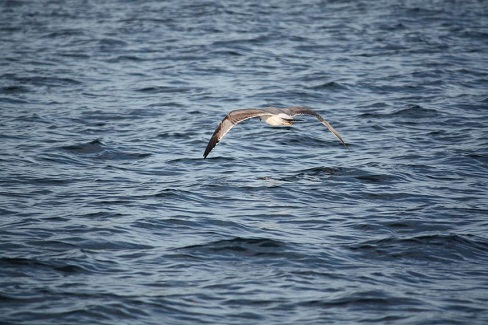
272	115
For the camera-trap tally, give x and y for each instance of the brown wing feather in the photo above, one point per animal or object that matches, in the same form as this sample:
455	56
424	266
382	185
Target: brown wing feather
228	123
307	111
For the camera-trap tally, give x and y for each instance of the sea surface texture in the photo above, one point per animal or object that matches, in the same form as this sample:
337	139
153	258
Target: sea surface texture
110	215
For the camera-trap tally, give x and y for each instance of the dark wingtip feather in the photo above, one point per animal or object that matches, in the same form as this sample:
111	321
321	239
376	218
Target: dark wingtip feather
209	148
212	142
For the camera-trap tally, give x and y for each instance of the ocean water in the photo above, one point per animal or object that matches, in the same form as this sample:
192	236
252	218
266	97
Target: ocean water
110	214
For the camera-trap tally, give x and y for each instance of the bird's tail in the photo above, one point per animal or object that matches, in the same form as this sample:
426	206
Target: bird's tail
288	121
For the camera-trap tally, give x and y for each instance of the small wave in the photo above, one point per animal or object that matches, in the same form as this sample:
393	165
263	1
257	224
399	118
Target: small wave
177	135
49	81
14	90
179	195
133	58
428	248
410	112
110	43
415	111
320	171
7	100
100	244
315	173
363	299
62	33
164	89
29	265
97	150
91	147
239	246
239	43
330	85
483	158
226	52
361	175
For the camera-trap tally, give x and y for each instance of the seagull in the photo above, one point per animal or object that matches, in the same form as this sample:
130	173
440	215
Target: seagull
272	115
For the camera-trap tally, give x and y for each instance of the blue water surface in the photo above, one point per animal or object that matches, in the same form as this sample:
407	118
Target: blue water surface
110	214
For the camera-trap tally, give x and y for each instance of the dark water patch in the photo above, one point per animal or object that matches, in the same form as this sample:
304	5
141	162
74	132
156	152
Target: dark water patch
74	55
411	112
28	266
130	58
13	101
416	111
102	306
227	52
166	104
364	299
368	177
33	117
165	89
67	32
102	118
425	249
414	226
312	174
111	44
240	42
102	245
6	212
251	247
92	147
127	156
173	196
54	245
480	157
102	215
97	150
330	85
61	158
14	90
51	181
371	175
39	81
176	222
178	135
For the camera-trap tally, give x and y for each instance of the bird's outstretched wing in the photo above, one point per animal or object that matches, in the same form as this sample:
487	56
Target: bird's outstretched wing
228	123
307	111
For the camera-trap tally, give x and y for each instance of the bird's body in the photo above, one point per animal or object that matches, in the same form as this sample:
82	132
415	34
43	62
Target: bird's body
271	115
280	119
